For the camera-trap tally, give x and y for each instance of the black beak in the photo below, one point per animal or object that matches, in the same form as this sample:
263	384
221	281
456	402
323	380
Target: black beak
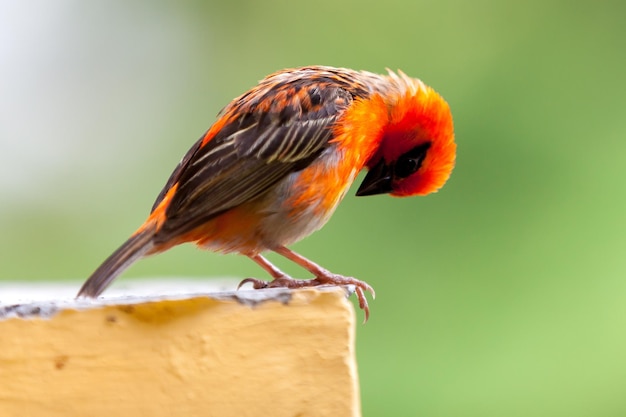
377	180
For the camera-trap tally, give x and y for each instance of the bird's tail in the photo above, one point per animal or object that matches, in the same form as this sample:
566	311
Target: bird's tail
134	248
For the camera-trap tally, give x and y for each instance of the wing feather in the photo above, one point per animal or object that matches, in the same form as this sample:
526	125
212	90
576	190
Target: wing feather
251	153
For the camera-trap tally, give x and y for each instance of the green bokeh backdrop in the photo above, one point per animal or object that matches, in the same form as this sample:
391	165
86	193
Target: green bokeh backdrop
502	295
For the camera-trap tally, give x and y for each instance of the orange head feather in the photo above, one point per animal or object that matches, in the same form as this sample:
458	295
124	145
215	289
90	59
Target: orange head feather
417	151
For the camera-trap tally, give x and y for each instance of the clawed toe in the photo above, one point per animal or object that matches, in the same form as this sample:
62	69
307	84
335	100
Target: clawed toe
360	295
359	288
257	284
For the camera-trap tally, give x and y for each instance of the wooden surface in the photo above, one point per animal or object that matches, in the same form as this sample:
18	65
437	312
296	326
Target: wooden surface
246	353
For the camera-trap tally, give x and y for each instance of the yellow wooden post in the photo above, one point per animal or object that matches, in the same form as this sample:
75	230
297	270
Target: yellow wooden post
271	352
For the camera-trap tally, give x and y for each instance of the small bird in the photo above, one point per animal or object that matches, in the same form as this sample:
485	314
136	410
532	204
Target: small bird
279	159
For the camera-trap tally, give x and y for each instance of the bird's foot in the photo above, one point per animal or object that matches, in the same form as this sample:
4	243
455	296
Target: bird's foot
326	278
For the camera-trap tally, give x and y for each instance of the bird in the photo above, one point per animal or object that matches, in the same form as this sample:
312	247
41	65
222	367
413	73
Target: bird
279	159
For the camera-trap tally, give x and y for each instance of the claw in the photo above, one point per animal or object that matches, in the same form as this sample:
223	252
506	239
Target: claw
363	303
360	287
257	284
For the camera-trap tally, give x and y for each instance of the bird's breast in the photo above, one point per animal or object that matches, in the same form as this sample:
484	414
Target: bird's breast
295	207
305	200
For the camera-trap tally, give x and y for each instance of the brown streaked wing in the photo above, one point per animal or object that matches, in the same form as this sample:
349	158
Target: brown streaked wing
251	154
174	177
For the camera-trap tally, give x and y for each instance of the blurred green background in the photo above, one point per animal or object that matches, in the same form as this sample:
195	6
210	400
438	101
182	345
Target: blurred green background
502	295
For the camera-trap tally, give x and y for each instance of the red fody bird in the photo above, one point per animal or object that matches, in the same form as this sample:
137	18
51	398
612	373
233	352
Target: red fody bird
280	158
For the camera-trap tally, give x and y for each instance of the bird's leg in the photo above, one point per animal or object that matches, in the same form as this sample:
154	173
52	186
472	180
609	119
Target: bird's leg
268	266
277	274
324	277
281	280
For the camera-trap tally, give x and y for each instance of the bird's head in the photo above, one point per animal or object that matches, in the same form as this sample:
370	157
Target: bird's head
417	151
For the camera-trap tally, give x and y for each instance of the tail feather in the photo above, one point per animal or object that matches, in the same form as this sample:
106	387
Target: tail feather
133	249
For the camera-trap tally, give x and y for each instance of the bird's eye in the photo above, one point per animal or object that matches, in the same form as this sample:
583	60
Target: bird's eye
405	167
411	161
